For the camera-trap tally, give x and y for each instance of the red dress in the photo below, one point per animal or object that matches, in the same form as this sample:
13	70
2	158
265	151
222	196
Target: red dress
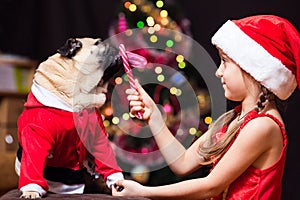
259	184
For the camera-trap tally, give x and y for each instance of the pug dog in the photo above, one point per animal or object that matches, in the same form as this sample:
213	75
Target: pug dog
61	134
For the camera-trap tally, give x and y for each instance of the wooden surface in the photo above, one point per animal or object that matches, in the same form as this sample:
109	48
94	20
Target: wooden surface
8	177
15	195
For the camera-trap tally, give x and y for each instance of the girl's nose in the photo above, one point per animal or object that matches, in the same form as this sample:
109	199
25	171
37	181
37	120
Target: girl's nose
219	72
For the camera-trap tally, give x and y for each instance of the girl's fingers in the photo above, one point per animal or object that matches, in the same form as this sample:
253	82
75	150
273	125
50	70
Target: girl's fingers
135	101
136	109
133	98
131	91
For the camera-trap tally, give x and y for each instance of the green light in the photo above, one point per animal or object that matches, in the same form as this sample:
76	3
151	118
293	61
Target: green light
169	43
140	24
182	65
159	4
125	116
125	77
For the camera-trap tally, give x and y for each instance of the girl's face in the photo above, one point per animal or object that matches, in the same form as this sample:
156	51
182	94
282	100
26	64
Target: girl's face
232	78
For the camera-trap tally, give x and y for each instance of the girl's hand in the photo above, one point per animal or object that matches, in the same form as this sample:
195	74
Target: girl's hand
140	101
127	188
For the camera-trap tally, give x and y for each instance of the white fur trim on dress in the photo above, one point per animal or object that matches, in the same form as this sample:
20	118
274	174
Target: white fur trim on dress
254	59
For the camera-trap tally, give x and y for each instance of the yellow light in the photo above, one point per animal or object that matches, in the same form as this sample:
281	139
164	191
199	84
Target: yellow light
158	70
150	21
179	58
132	7
208	120
160	78
153	38
164	21
128	32
192	131
115	120
118	80
163	13
178	38
106	123
151	30
178	92
173	90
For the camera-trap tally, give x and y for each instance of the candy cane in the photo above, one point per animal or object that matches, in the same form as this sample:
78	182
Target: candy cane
128	71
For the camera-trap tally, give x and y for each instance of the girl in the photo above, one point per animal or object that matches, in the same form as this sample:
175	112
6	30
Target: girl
247	145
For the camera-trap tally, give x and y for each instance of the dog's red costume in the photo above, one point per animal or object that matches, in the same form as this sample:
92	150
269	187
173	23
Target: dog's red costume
54	138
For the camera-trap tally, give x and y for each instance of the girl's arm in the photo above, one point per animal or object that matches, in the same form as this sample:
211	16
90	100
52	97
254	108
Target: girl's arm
180	160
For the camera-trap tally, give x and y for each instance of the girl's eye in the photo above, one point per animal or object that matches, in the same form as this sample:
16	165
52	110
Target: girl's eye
223	59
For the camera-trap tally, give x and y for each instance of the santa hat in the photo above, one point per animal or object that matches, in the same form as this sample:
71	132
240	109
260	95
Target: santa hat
265	46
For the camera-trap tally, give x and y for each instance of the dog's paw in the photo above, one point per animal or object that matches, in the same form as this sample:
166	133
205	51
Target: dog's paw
30	195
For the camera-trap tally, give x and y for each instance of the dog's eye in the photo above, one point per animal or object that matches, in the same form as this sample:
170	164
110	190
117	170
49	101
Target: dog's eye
98	42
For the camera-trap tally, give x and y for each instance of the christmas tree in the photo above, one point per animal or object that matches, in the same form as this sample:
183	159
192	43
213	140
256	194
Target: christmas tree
159	31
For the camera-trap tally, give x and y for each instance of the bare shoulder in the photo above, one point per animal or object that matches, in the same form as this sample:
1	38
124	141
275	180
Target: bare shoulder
264	131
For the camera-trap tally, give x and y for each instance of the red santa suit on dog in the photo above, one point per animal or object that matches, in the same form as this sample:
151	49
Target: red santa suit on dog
55	143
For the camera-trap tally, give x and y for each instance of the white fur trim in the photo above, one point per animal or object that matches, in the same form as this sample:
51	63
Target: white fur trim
49	99
254	59
113	178
33	187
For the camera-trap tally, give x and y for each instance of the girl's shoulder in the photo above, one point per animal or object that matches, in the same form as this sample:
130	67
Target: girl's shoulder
263	125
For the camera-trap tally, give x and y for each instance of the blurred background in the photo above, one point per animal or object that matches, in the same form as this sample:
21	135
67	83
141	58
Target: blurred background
32	30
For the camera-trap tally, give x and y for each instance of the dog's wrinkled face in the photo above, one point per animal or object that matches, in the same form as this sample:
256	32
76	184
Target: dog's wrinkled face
78	73
91	54
98	62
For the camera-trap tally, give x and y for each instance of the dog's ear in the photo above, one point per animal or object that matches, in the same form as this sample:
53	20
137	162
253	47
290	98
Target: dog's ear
70	48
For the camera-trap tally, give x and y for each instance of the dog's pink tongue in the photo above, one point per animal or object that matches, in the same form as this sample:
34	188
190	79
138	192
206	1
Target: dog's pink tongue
136	60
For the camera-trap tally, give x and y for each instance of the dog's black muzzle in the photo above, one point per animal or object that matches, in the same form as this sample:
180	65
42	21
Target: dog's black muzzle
112	69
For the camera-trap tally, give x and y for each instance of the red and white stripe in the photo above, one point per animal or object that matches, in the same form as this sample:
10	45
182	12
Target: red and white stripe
128	71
